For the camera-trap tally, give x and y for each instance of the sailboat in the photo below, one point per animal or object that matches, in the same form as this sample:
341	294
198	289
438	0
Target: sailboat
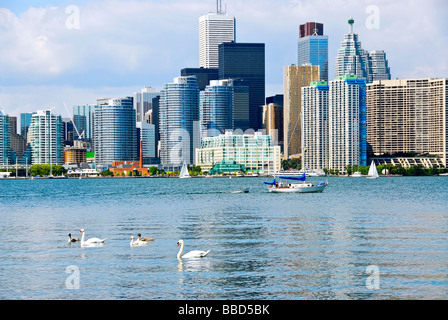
373	172
184	172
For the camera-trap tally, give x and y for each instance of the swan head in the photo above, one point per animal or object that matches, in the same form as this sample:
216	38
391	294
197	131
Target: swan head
132	237
81	231
180	242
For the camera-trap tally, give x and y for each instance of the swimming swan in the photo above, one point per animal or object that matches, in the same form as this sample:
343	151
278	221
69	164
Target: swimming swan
144	239
138	242
70	239
91	241
191	254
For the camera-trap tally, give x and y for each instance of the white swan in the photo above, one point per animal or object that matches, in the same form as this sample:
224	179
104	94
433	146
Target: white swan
91	241
70	239
191	254
137	242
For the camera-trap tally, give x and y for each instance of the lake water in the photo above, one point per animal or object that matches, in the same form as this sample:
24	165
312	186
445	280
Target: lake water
263	245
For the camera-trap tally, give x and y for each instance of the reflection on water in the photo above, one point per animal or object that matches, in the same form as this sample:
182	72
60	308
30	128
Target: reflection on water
263	246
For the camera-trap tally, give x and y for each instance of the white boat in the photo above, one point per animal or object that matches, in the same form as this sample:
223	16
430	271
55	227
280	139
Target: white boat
184	172
297	187
241	191
373	172
357	174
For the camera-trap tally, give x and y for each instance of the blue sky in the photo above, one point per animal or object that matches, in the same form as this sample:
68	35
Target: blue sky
122	46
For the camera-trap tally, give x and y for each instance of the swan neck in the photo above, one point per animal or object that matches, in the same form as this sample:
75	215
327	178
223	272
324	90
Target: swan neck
82	238
181	249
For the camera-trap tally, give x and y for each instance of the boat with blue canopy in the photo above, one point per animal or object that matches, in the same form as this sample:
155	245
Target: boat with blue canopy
303	186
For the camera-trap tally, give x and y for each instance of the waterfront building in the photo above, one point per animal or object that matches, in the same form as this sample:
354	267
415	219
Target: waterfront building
216	108
315	126
46	138
214	29
147	144
313	47
295	77
179	113
379	66
115	133
351	58
25	122
75	155
272	119
347	123
246	62
83	120
20	151
68	131
203	75
408	116
257	152
5	142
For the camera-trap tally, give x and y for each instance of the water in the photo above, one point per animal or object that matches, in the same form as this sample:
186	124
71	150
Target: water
263	246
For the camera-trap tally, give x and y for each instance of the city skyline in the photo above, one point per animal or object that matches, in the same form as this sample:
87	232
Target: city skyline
46	60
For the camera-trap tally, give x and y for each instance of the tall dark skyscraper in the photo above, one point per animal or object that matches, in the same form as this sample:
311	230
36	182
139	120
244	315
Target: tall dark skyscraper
246	61
203	75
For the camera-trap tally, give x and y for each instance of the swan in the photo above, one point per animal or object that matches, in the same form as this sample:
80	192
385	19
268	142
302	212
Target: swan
137	242
70	239
191	254
90	241
144	239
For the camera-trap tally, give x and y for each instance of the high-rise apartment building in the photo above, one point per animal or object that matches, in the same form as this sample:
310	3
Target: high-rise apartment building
313	47
214	29
46	138
294	78
83	120
20	151
409	116
5	144
315	126
115	133
216	108
379	66
351	58
347	123
246	62
272	119
179	113
143	102
147	136
25	122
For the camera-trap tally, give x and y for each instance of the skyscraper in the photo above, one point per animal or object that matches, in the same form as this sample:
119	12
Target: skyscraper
203	75
347	123
214	29
246	62
5	144
25	122
379	66
143	102
115	133
46	138
216	108
409	116
351	58
179	113
294	78
83	120
313	47
315	126
272	120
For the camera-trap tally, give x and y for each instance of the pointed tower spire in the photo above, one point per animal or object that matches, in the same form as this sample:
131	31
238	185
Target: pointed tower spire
351	22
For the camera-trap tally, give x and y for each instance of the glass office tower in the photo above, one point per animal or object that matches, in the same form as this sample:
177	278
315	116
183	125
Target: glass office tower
216	108
5	144
313	47
115	132
25	122
179	113
246	61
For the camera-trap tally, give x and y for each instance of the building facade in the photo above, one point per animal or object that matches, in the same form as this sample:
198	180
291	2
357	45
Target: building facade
143	102
295	77
5	143
46	138
216	108
214	29
246	62
115	133
179	113
379	66
146	134
272	119
408	116
313	47
347	123
203	75
257	153
315	126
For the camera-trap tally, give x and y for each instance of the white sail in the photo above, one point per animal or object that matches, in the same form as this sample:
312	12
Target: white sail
184	172
373	172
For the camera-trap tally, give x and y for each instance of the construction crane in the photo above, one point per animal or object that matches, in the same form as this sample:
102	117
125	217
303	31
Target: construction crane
80	136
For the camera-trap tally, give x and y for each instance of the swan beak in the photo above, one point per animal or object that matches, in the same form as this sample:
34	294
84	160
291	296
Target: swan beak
177	244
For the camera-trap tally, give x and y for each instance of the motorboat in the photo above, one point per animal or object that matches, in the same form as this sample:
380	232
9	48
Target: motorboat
357	174
295	187
241	191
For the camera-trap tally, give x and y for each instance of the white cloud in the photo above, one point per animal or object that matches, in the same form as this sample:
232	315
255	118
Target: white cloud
130	44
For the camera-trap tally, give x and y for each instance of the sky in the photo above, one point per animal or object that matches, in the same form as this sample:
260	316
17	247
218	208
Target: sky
76	51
